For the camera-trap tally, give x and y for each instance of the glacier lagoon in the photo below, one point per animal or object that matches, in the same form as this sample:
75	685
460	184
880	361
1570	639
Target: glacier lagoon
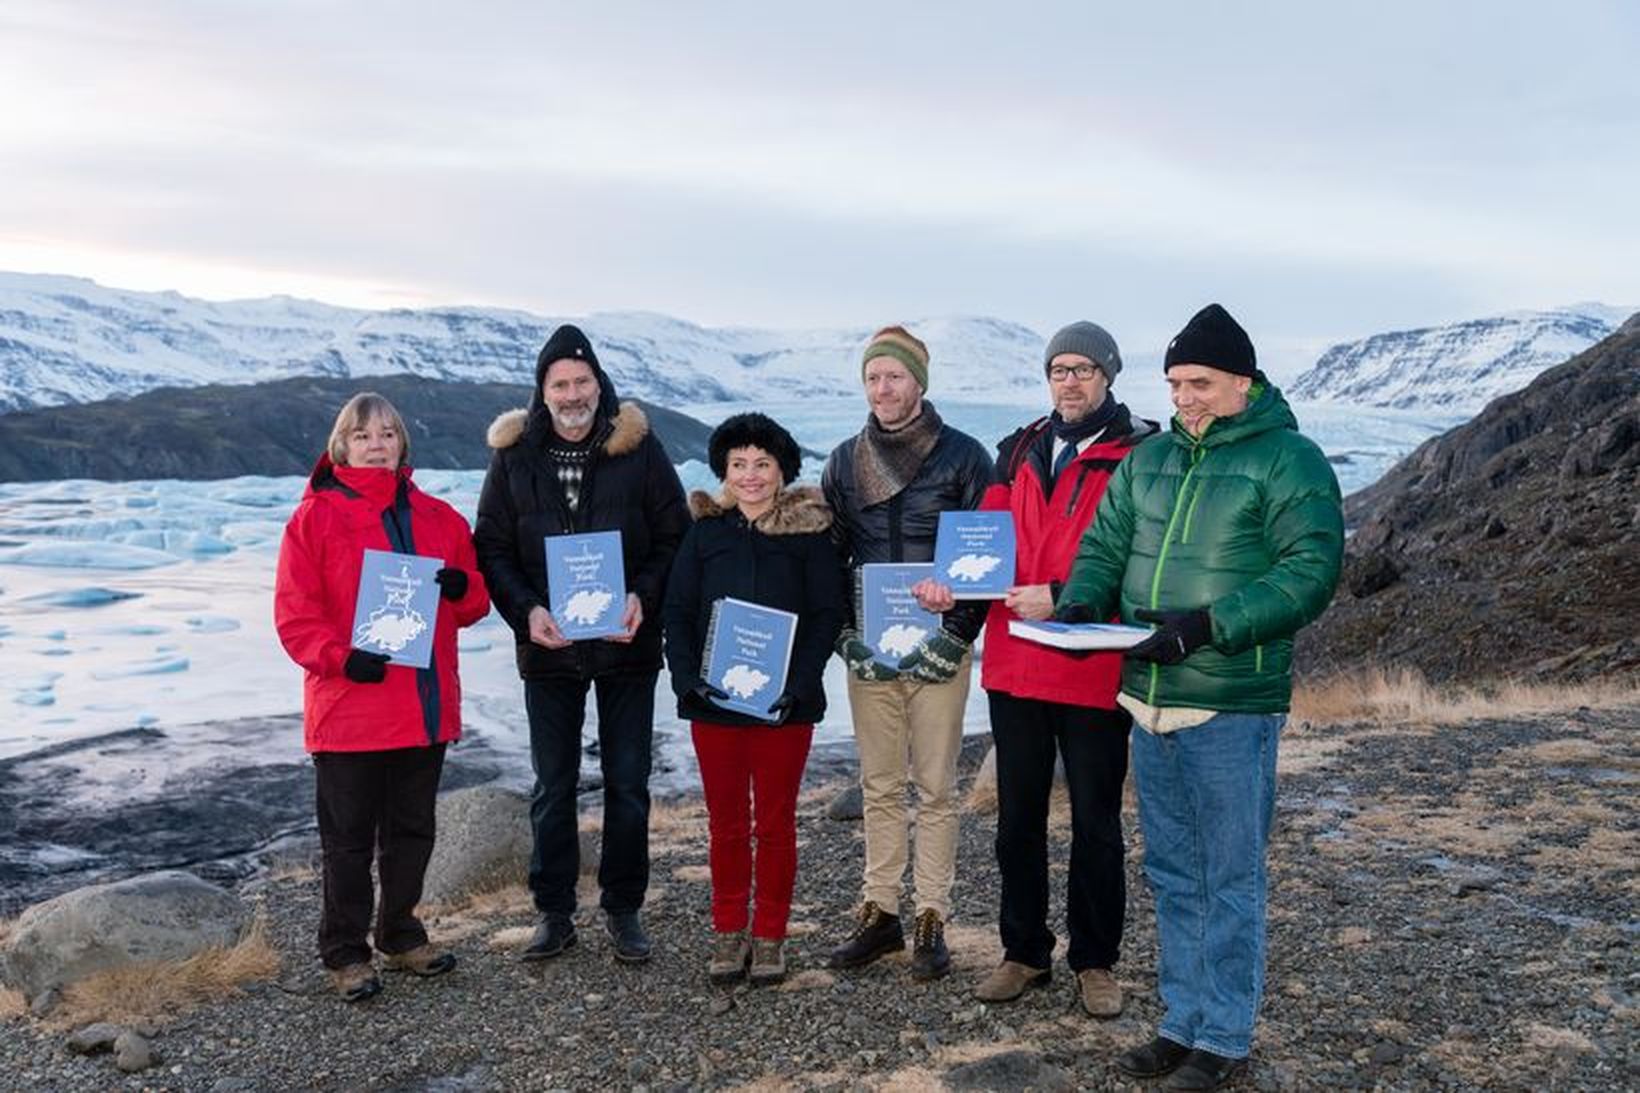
136	619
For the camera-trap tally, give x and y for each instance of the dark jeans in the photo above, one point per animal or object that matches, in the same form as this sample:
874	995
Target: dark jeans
374	804
626	726
1094	744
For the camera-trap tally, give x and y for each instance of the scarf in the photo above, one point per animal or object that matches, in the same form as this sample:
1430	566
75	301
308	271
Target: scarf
886	462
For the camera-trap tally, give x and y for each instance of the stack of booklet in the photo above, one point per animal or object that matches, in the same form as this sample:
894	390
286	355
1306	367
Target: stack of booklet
1079	635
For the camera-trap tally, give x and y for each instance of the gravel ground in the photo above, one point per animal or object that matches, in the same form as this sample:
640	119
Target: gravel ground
1451	908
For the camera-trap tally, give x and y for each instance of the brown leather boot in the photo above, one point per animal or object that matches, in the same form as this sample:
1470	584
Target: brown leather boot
876	933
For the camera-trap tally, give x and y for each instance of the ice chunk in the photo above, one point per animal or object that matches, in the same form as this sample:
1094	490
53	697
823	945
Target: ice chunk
153	666
211	624
92	596
35	698
78	555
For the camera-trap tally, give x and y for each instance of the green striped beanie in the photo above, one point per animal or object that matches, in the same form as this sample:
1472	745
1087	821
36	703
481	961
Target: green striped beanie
902	345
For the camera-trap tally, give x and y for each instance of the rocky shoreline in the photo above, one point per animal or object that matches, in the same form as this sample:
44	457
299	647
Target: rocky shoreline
1451	908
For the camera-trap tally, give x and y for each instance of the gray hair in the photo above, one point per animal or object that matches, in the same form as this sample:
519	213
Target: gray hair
358	412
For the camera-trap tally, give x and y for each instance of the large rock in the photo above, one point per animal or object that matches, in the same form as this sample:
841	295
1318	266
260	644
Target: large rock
483	844
150	918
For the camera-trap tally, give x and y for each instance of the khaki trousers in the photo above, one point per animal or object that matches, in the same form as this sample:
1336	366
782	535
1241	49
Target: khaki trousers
908	729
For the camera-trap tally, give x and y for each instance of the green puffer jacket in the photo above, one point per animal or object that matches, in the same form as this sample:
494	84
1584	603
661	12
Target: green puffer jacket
1245	521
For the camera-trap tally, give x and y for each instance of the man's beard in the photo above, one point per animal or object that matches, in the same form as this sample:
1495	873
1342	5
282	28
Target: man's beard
573	417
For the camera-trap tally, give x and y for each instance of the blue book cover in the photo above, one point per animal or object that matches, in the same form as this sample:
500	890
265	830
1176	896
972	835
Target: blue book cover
890	620
586	584
396	607
974	554
748	652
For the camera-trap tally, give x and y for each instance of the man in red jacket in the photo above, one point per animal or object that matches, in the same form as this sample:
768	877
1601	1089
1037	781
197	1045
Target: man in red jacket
1050	475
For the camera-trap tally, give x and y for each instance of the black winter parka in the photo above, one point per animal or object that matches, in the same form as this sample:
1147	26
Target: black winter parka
902	529
629	486
784	559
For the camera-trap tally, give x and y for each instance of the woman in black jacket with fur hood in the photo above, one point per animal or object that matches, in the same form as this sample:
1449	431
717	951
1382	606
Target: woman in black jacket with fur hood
760	542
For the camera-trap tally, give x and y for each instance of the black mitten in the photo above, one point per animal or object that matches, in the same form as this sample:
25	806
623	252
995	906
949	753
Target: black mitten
452	582
363	667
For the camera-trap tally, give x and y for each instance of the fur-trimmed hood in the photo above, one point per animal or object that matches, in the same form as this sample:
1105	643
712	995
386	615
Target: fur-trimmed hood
797	510
627	429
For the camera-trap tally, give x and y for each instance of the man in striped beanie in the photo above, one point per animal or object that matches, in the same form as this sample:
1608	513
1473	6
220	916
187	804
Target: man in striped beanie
886	488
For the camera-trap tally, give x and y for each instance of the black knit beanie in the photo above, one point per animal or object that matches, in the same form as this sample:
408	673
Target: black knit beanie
754	431
568	343
1214	339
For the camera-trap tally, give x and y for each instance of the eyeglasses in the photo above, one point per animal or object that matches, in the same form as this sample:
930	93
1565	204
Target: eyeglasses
1059	373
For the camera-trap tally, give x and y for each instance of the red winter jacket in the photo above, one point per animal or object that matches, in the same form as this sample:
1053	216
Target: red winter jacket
1047	531
344	511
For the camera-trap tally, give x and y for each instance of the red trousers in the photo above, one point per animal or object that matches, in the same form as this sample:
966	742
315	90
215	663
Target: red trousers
750	776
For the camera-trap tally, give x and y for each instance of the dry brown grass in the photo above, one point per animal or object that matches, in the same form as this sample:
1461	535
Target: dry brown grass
1384	696
156	991
12	1004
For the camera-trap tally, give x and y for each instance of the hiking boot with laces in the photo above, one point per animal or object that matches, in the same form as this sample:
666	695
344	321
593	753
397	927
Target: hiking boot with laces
423	960
730	954
768	960
930	959
355	982
876	933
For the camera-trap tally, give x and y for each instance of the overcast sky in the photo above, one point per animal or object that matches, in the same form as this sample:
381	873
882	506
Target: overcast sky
1326	171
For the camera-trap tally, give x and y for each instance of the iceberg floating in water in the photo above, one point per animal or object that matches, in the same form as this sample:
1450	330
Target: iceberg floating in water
92	596
35	698
153	666
77	555
211	624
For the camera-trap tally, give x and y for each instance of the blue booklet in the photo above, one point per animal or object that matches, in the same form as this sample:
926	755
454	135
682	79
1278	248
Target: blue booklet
974	554
890	620
586	584
748	652
396	607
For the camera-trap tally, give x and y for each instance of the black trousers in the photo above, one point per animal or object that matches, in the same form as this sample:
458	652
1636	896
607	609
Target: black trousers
1094	743
626	729
374	805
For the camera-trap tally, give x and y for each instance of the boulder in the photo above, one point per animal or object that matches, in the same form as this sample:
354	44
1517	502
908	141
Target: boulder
154	917
848	804
132	1052
483	844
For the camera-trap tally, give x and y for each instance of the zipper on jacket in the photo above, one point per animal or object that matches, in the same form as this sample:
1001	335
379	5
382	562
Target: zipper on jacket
1258	657
1190	514
1076	490
1161	558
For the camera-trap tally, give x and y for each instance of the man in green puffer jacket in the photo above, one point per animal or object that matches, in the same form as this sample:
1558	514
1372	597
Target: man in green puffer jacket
1226	533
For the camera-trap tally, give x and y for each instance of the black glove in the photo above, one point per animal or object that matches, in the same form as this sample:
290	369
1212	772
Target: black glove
452	582
782	708
705	692
363	667
936	657
1180	634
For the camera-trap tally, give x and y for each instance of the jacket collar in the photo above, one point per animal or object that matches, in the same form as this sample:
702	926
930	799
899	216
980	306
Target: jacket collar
797	510
378	485
621	434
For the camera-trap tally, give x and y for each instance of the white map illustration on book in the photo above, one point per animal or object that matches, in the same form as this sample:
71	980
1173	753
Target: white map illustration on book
744	681
900	639
972	567
588	606
393	624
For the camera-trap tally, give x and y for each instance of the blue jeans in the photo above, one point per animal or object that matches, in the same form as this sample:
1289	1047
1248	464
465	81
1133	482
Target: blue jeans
626	723
1207	797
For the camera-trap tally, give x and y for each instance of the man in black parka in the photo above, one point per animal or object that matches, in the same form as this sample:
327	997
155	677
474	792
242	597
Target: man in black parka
578	460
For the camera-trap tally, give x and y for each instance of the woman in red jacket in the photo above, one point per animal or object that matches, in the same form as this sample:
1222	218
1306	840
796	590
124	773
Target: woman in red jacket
377	732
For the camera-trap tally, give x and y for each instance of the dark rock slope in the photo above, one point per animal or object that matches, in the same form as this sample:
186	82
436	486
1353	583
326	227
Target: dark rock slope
268	428
1509	546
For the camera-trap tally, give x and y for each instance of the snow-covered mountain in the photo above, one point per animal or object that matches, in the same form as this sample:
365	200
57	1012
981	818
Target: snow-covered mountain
67	340
1457	368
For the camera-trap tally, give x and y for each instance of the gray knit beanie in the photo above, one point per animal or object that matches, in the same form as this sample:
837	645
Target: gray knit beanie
1090	340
